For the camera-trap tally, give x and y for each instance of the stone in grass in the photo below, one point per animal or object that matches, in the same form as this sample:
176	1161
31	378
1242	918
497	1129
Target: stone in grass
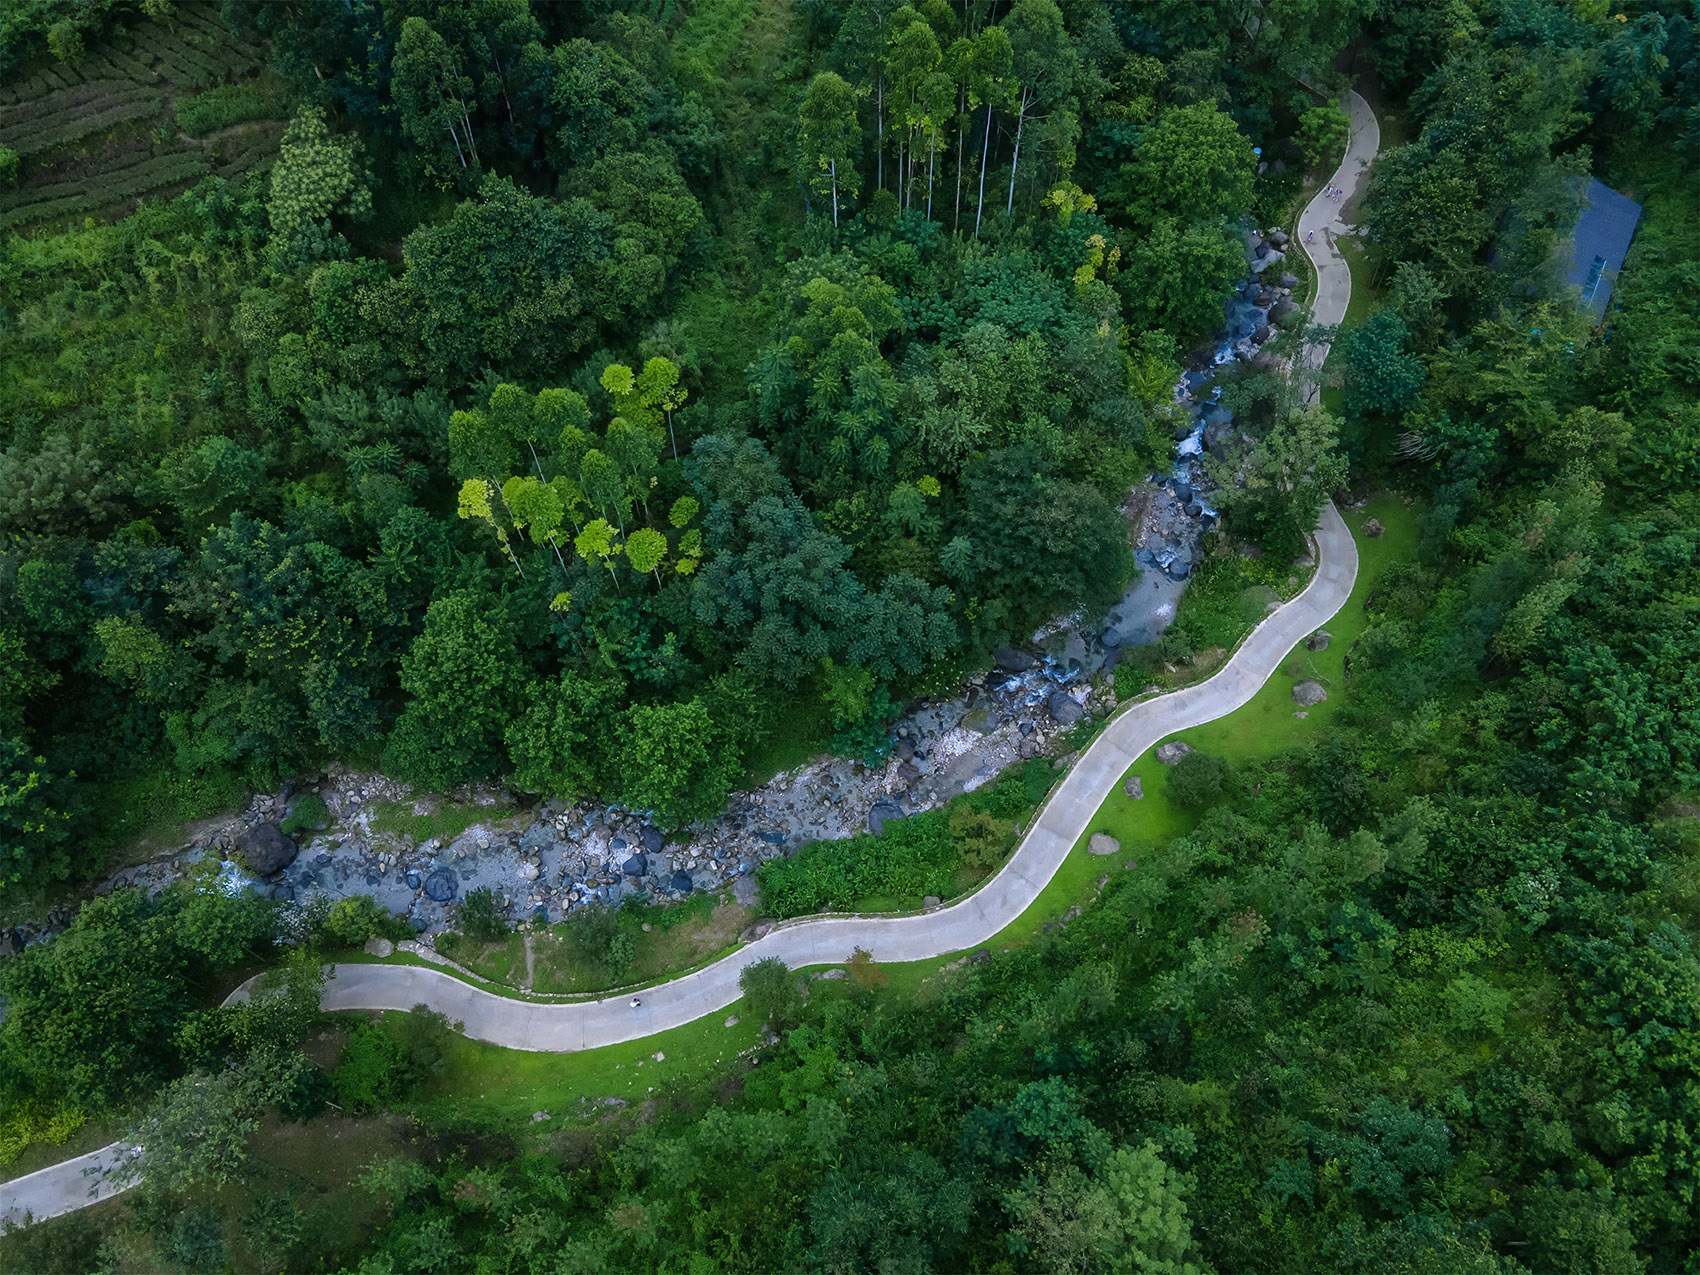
1308	694
1373	528
1172	752
1134	787
376	946
1319	640
731	1020
1103	843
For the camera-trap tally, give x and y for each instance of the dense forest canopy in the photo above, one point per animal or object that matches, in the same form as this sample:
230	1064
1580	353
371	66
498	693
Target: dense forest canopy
576	389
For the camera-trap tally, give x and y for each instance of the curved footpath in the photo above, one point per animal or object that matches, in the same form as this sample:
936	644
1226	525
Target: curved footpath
1063	820
1323	218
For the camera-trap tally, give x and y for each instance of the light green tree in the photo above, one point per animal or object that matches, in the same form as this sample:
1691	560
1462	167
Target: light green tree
316	175
829	138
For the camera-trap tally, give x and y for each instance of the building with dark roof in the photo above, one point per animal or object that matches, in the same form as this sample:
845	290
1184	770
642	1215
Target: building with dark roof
1600	243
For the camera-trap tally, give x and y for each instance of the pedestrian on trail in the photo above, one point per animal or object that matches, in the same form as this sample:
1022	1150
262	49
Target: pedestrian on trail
636	1002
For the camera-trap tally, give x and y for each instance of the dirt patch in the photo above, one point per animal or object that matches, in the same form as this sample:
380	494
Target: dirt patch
324	1047
330	1150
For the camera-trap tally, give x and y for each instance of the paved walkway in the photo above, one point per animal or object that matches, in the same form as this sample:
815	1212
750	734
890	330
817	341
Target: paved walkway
973	921
1322	218
1064	819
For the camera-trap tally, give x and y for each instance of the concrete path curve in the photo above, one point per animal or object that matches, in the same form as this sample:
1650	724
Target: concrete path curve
1323	223
1064	819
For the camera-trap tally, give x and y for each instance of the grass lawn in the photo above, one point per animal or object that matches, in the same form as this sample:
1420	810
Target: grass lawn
514	1083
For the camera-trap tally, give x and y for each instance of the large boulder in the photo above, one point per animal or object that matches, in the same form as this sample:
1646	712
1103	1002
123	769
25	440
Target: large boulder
1172	752
1063	709
653	840
1284	312
1373	528
636	866
681	881
442	885
1103	843
1319	640
1308	694
265	849
1134	787
1012	659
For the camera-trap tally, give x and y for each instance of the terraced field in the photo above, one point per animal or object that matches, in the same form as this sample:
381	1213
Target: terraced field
97	134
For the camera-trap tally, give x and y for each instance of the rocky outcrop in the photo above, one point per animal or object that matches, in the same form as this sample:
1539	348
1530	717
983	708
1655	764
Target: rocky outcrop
1172	752
1308	694
266	850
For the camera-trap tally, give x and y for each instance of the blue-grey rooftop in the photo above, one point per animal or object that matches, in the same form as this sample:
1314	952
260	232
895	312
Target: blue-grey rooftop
1600	242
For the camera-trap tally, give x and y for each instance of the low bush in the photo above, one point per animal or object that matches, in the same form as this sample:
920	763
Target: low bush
481	916
384	1062
350	921
309	814
226	104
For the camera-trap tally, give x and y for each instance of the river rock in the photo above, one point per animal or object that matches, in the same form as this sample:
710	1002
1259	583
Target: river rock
265	849
1062	708
1308	693
1012	659
1283	312
442	886
653	840
1172	752
1318	641
680	881
1279	238
1103	843
636	866
756	930
1134	788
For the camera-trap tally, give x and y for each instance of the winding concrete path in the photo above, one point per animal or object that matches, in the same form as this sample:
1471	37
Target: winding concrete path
1065	818
1323	219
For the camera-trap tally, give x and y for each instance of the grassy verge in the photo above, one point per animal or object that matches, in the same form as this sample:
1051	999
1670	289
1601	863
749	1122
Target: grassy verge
515	1083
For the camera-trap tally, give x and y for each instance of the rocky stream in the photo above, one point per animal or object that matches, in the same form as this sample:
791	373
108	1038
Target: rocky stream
548	860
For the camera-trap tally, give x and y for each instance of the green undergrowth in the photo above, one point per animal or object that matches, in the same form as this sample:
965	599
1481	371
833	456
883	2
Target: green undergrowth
941	853
442	820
